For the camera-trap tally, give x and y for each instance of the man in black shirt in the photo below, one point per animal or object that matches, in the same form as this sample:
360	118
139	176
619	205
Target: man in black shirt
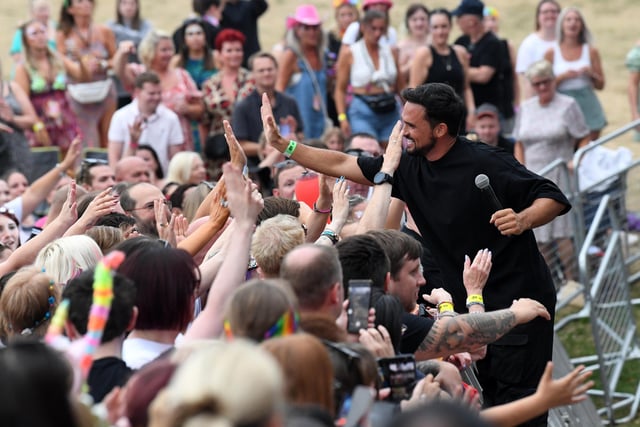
435	178
485	50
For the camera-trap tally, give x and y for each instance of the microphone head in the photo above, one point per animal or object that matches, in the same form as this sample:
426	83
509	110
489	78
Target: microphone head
482	181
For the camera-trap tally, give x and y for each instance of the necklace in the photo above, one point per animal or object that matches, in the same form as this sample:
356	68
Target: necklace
86	40
447	62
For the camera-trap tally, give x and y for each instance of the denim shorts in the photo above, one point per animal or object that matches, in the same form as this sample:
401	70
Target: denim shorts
362	119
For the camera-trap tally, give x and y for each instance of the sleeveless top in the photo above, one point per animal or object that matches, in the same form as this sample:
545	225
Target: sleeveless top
561	65
363	72
93	46
446	69
40	85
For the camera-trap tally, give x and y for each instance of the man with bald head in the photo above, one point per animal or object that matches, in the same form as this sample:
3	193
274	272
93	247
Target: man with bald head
138	200
315	275
132	169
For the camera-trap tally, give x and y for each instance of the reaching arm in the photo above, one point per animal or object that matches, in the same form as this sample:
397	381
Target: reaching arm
245	205
27	253
540	212
467	332
375	214
328	162
550	393
40	189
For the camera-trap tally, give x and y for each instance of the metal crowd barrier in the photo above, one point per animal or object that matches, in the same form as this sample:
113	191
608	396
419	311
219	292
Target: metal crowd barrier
598	272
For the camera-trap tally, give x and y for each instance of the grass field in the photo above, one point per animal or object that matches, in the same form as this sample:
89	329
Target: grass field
614	24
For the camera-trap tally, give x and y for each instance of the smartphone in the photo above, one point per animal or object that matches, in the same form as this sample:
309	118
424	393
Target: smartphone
359	304
399	374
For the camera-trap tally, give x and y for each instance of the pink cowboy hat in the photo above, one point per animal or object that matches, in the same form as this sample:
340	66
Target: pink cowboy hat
306	14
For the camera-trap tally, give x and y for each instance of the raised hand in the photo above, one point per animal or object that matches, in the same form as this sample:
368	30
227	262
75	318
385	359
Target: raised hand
475	275
570	389
73	154
394	150
238	158
271	132
527	309
244	201
104	203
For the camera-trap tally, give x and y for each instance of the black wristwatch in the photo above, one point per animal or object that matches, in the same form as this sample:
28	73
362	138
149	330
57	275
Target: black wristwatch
381	178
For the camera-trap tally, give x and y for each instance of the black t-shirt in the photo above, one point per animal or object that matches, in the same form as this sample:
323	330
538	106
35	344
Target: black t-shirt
242	15
453	215
415	331
486	52
105	374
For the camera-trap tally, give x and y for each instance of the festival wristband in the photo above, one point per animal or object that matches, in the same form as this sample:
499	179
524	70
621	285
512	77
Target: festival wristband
290	148
444	307
316	210
342	117
475	298
38	126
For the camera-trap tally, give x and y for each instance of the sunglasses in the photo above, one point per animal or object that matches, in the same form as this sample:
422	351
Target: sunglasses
541	83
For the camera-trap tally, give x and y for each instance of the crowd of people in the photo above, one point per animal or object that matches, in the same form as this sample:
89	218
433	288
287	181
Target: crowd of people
252	197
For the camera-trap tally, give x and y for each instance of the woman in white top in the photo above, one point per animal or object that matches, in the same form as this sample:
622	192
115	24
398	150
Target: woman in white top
372	70
536	44
577	67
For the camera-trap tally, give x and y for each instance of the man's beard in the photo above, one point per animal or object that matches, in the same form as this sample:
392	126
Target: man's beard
147	228
424	150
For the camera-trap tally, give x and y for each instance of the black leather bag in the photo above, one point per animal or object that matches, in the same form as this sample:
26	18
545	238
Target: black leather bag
381	103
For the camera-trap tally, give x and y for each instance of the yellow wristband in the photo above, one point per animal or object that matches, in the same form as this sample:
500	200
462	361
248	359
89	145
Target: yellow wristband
38	126
444	307
475	298
342	117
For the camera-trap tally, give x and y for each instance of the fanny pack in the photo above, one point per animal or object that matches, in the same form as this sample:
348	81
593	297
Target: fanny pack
381	103
90	93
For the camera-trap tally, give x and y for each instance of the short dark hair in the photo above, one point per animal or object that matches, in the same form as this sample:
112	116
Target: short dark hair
201	6
79	292
146	77
166	280
389	311
278	205
441	105
262	54
115	219
313	279
362	257
398	246
349	141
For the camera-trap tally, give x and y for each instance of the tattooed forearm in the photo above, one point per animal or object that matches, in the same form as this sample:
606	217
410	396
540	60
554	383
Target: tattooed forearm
466	332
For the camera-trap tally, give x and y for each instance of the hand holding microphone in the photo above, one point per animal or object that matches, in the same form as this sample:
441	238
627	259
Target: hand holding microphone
507	221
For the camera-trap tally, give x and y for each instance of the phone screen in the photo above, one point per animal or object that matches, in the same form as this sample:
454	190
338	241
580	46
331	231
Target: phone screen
399	374
359	303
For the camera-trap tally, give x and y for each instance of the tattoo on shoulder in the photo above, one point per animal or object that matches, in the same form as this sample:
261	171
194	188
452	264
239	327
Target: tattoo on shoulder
467	331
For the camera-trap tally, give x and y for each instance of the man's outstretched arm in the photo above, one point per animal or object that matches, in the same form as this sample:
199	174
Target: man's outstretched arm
328	162
450	335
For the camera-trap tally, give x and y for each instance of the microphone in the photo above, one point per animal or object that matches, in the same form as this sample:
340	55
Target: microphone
483	184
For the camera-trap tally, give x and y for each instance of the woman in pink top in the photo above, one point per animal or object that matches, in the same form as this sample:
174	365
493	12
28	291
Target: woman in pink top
179	91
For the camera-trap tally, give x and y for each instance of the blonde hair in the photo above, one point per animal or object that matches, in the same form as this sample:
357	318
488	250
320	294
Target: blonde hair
106	237
542	68
273	239
67	257
228	384
585	35
180	167
28	303
193	200
148	45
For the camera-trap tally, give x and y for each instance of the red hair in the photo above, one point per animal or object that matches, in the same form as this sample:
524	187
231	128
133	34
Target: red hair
229	35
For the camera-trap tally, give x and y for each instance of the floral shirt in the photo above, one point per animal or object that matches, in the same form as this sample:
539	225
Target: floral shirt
219	105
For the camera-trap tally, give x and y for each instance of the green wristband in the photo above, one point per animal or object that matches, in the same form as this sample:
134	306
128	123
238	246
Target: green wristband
290	148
